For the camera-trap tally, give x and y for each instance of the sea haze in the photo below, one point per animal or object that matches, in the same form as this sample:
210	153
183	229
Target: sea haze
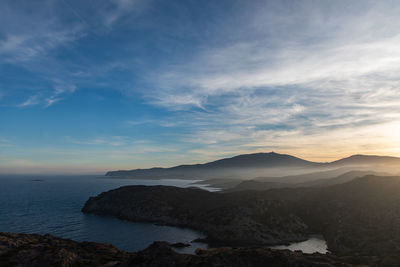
52	205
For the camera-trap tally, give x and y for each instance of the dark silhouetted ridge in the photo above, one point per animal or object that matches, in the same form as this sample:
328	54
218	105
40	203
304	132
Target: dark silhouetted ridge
246	161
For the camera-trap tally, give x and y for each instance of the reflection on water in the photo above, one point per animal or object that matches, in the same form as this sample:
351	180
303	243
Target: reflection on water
312	245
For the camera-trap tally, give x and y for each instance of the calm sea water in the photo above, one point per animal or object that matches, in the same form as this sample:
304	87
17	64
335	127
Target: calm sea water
52	205
44	204
313	244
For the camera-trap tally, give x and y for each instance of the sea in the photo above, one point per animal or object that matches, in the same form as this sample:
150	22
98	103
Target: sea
52	205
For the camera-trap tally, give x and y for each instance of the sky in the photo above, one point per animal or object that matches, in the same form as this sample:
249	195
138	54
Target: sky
93	85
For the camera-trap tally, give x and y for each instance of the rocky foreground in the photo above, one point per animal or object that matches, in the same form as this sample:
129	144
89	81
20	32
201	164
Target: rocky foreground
46	250
360	220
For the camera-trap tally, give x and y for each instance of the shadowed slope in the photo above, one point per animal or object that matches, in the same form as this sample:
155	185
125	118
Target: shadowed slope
359	219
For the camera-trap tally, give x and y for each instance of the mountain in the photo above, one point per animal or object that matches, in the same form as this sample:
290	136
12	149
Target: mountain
228	166
251	166
260	160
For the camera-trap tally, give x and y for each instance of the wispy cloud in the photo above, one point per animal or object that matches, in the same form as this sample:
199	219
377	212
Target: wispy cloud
60	91
109	141
200	80
51	100
31	101
300	86
158	122
25	46
121	8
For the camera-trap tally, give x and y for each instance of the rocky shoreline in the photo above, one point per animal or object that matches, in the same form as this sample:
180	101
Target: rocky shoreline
46	250
359	219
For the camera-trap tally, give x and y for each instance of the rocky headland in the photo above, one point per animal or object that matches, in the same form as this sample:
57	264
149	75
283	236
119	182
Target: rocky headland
360	220
227	219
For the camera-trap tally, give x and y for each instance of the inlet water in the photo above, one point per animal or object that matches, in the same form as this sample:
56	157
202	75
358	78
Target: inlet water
52	205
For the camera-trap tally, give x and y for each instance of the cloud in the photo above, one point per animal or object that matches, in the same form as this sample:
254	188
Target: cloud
51	100
211	80
59	92
119	9
336	69
312	68
61	89
25	46
31	101
31	36
109	141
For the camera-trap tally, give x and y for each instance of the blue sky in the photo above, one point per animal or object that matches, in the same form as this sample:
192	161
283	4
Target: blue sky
87	86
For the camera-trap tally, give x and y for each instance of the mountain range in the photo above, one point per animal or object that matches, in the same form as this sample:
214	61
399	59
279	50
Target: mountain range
263	166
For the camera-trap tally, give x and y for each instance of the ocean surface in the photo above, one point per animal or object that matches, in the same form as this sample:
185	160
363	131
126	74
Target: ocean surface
52	205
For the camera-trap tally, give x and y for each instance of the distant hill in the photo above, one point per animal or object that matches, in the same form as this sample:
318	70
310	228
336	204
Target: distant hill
247	161
260	160
365	160
306	177
344	178
250	166
319	179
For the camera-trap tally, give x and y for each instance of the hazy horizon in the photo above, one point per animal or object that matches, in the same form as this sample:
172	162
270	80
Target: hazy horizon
92	86
282	171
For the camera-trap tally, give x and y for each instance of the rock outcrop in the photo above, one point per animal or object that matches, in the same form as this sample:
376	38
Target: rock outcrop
46	250
37	250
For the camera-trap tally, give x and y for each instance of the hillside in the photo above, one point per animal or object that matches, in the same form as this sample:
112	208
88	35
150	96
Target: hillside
359	219
225	218
311	180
